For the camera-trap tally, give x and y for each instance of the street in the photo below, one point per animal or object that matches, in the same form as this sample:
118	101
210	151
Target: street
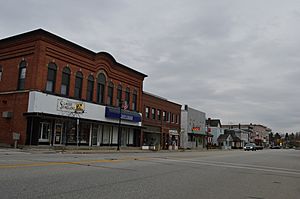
195	174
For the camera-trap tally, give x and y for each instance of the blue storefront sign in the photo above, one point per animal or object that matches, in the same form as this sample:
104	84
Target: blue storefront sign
114	113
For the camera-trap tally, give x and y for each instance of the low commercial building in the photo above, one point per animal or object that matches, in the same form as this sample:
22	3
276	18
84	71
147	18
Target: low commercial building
161	123
55	92
193	129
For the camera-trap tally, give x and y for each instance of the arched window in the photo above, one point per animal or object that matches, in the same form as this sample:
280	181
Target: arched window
110	93
127	98
78	85
65	82
119	95
134	100
90	88
51	77
1	71
101	88
22	75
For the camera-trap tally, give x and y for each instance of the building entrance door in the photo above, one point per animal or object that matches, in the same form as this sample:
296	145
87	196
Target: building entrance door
45	132
58	133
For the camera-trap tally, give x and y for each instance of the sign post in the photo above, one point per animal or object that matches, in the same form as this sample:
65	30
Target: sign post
16	137
79	109
119	125
77	132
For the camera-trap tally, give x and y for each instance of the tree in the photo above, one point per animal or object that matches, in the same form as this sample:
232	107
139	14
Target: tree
286	137
271	138
277	139
292	137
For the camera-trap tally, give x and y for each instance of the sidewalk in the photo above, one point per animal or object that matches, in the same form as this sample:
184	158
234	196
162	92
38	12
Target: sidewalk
86	150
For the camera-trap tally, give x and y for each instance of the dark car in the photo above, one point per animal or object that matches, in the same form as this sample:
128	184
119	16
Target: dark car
250	147
275	147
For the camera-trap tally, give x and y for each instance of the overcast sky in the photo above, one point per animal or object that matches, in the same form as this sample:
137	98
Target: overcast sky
237	60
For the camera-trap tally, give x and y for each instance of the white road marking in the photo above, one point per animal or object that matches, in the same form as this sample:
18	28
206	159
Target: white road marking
237	166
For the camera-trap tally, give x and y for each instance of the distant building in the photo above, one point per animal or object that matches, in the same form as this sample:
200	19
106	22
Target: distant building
240	137
193	128
214	127
258	134
225	141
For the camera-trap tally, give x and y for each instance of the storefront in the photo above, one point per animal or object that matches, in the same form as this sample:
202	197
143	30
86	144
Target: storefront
173	139
197	138
53	120
151	138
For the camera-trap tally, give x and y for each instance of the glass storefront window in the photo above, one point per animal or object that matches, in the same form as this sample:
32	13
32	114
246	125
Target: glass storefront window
84	133
95	135
45	132
71	132
106	135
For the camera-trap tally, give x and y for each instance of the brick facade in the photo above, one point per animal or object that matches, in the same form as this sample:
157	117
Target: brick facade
37	49
16	103
164	129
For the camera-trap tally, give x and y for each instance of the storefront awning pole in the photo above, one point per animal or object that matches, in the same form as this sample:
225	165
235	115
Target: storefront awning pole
77	132
119	126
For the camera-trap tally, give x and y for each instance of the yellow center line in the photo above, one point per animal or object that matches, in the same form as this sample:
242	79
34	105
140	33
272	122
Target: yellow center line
38	164
5	166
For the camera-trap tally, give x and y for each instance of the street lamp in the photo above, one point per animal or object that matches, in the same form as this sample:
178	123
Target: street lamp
119	126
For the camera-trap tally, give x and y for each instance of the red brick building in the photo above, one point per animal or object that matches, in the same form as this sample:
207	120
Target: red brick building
161	122
55	92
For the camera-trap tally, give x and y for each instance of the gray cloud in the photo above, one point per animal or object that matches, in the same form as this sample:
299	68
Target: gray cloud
235	60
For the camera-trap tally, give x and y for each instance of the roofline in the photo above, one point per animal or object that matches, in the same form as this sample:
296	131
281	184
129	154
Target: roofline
193	110
162	98
41	32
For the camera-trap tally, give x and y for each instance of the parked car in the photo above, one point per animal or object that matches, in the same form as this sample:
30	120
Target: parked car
250	147
275	147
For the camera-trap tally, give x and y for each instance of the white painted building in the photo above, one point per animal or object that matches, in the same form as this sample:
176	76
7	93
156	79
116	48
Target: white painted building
215	129
193	129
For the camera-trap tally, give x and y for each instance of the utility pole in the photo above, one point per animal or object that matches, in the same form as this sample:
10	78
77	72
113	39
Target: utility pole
119	126
77	132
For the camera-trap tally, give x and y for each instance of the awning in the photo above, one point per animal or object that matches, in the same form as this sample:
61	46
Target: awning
198	134
151	129
173	132
147	131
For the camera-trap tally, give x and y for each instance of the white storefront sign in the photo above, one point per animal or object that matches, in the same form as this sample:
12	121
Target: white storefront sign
69	106
45	103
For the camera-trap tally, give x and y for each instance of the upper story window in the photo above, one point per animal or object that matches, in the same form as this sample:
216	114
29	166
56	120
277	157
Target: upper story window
176	119
110	92
65	81
158	114
134	100
1	70
169	117
127	97
172	118
147	112
101	80
153	113
90	88
51	77
119	95
78	85
22	75
164	116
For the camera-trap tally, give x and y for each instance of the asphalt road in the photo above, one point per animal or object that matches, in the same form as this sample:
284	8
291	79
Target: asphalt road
214	174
